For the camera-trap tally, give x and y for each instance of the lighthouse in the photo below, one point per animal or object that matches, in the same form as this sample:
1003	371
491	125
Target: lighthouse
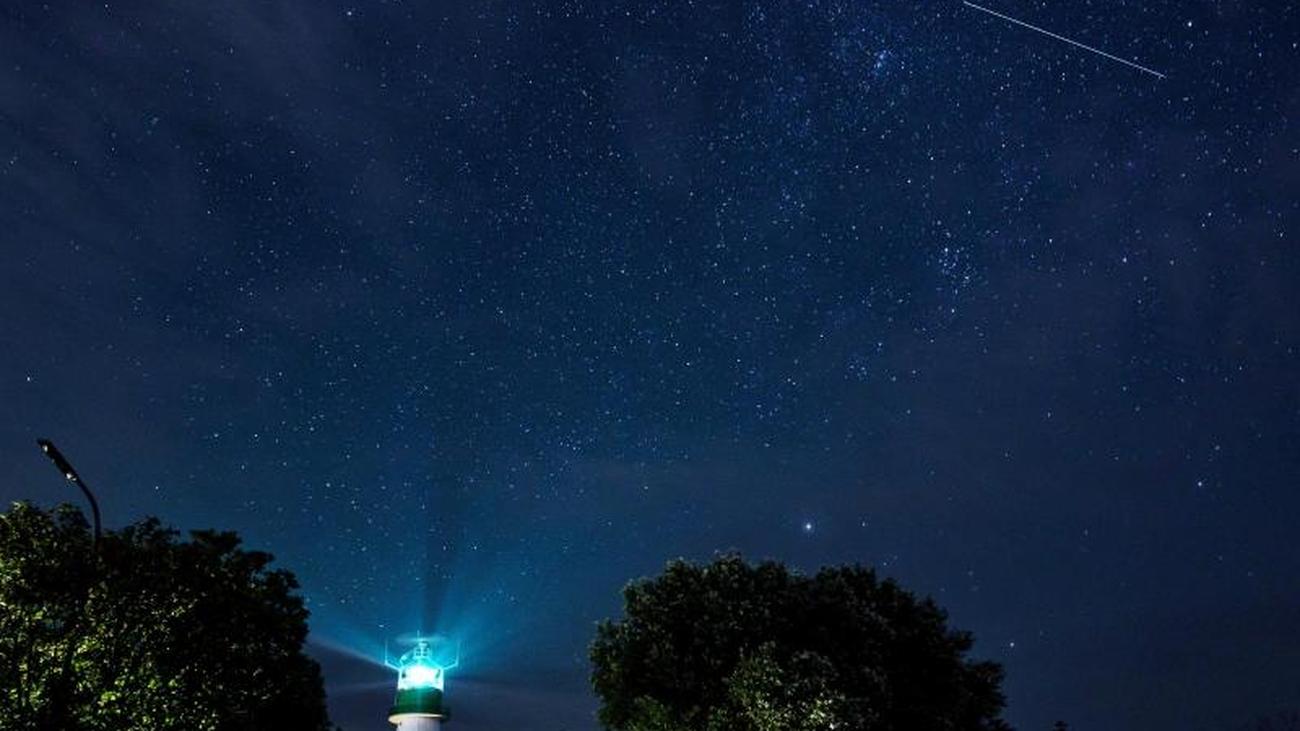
421	679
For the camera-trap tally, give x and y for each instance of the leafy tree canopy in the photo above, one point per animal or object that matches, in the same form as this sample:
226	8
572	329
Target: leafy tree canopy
739	647
147	632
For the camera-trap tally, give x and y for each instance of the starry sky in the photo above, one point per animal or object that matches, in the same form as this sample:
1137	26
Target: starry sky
470	312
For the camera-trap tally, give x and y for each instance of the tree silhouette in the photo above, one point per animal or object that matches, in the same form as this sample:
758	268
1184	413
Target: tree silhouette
148	631
740	647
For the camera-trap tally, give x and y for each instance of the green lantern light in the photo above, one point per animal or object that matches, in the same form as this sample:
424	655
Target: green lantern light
421	677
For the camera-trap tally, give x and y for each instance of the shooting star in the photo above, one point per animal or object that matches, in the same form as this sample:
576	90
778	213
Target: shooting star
1072	42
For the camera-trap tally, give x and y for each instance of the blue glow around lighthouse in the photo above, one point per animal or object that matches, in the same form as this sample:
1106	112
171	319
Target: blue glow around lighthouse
425	665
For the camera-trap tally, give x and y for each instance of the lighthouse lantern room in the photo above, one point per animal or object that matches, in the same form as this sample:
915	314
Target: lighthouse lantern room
421	679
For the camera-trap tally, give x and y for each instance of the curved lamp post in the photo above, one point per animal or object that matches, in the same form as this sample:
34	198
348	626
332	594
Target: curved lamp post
62	687
70	473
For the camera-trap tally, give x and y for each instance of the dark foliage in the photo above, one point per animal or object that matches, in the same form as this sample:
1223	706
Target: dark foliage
737	646
152	632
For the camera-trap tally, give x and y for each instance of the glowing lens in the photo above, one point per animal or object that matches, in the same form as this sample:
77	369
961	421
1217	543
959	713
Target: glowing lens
422	676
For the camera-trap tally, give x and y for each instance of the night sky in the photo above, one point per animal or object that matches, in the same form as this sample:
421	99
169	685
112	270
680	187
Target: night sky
470	312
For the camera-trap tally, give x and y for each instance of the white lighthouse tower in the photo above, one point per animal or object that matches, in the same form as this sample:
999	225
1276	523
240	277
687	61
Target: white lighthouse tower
421	678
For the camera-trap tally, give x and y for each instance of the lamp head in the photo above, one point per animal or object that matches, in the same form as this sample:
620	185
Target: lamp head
57	458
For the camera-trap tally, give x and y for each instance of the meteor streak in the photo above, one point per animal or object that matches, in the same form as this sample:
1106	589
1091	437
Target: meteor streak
1072	42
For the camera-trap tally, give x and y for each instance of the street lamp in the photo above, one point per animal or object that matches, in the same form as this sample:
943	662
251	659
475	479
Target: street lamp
70	472
62	687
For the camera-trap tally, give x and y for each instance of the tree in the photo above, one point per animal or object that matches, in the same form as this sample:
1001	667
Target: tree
742	647
148	631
